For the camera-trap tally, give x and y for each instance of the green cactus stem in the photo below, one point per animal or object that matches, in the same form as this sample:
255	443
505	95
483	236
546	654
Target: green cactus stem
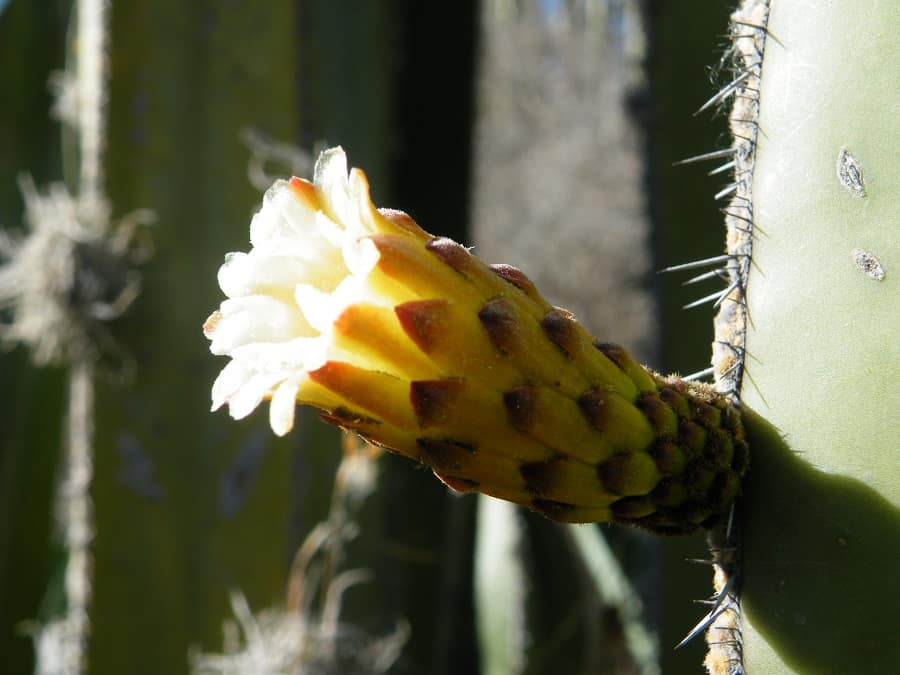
817	202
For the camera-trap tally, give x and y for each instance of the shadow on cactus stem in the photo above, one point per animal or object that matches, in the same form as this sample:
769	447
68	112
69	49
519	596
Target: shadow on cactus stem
822	551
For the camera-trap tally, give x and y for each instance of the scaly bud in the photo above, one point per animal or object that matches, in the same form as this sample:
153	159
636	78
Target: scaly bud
418	346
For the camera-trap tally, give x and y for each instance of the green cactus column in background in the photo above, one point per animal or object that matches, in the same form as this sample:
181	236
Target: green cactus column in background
31	401
178	500
188	505
821	516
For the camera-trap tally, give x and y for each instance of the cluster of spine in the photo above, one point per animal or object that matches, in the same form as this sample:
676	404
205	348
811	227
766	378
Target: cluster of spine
748	34
499	392
749	38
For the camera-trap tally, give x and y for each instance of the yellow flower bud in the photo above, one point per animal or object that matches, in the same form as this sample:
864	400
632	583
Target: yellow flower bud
418	346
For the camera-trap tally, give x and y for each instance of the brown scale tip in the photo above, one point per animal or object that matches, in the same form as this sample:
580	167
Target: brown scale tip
639	375
345	417
698	477
559	326
631	508
720	448
444	455
692	435
540	477
696	513
708	415
674	399
668	493
345	424
458	484
665	524
520	404
629	473
724	489
731	420
669	458
517	278
450	252
558	511
423	321
741	460
593	407
401	219
661	416
431	399
614	353
499	320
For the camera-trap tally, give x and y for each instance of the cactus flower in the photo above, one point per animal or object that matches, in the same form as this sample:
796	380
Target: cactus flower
415	344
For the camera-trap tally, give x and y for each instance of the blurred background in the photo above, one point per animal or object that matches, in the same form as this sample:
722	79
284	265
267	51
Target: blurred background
543	132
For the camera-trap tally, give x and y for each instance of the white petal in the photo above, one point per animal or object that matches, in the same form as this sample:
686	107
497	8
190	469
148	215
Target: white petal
300	222
232	377
277	357
256	318
317	306
330	173
334	188
269	220
352	290
360	256
359	190
258	272
282	406
235	275
287	226
306	265
323	350
332	232
250	395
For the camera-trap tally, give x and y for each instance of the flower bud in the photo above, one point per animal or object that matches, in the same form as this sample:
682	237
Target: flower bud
415	344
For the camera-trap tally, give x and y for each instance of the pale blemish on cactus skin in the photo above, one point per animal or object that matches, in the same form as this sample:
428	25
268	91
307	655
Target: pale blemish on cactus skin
850	173
868	264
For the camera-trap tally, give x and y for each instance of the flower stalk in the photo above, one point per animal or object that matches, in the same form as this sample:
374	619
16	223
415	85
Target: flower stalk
415	344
